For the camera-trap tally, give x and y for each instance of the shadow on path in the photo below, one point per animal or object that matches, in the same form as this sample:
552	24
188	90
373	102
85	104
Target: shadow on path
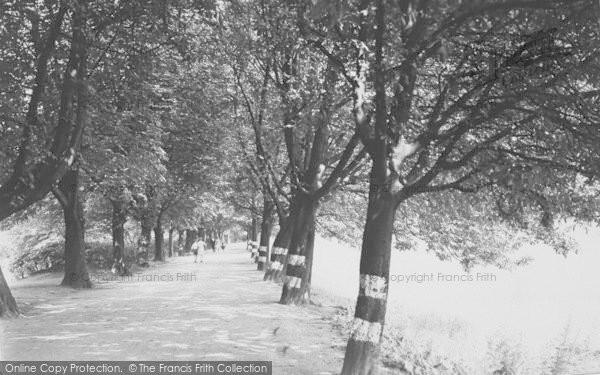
180	310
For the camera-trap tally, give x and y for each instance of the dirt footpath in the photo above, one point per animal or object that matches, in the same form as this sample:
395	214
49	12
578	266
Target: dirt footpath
180	310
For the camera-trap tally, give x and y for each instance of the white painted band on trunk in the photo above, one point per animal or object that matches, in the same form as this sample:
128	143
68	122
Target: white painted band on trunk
296	260
262	248
363	330
374	286
262	259
293	282
276	266
279	250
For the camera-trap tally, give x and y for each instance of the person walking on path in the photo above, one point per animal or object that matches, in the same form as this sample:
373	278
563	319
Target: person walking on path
198	246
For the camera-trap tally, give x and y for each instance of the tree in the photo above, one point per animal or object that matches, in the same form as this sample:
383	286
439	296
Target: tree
31	180
252	91
32	175
320	153
138	86
432	120
74	94
320	160
68	194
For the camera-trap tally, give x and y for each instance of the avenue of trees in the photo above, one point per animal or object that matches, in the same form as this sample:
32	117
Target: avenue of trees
463	125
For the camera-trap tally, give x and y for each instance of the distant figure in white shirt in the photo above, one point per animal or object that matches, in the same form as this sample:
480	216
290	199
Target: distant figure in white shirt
198	246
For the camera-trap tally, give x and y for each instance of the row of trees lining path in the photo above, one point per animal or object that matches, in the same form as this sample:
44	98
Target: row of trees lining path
182	114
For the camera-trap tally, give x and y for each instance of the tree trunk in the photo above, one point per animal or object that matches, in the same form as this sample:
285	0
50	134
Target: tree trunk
8	305
266	228
190	237
279	253
254	229
180	241
171	230
310	248
276	271
119	218
76	274
144	243
148	217
211	240
362	350
159	237
385	193
296	285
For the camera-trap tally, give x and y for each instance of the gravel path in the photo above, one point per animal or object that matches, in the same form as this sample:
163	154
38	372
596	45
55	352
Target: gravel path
178	310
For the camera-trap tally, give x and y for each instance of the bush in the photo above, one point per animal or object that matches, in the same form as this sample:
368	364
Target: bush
570	355
401	355
505	357
35	243
98	255
47	255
